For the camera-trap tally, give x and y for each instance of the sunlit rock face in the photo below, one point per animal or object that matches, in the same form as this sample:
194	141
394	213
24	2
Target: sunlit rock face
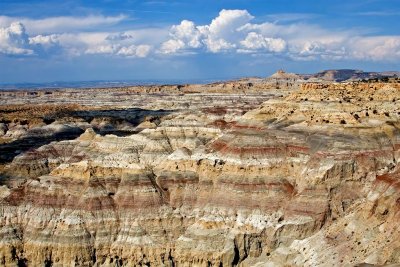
304	177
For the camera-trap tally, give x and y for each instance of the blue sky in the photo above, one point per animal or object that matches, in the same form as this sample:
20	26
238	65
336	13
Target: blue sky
43	41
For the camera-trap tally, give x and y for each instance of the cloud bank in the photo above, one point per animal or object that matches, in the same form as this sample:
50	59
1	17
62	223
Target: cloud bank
232	31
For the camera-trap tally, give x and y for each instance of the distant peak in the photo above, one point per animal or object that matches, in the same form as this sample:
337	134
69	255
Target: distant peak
281	74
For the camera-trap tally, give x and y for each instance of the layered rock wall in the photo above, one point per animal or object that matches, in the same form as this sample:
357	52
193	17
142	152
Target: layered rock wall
227	181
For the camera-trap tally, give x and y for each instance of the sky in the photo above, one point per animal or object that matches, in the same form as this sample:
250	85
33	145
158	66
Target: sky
158	40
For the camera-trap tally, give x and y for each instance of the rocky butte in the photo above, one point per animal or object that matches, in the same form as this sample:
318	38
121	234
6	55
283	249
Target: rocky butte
290	170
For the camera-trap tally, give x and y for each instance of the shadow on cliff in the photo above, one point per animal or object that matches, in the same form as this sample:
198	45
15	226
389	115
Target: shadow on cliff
10	150
120	122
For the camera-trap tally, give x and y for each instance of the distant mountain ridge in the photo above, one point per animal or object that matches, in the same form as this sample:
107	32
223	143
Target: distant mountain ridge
349	74
338	75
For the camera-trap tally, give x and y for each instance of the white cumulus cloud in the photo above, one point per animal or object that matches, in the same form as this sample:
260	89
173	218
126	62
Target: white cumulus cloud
103	49
14	40
172	46
220	35
188	33
140	51
45	40
375	48
223	32
256	41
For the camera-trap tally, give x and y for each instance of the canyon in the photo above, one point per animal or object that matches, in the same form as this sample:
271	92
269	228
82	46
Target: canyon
288	170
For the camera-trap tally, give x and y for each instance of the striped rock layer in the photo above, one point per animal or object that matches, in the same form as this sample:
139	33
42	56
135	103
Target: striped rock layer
296	181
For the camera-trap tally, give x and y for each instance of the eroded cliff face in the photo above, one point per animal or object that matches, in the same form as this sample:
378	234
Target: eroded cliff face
308	179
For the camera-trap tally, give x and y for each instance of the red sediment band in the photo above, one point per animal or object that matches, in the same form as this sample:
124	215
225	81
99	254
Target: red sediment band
167	182
301	149
317	215
313	209
242	201
254	150
72	196
150	200
145	200
16	197
225	148
386	178
221	124
216	111
235	125
391	179
68	201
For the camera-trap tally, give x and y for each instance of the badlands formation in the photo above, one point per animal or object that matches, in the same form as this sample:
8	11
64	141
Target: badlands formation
284	171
